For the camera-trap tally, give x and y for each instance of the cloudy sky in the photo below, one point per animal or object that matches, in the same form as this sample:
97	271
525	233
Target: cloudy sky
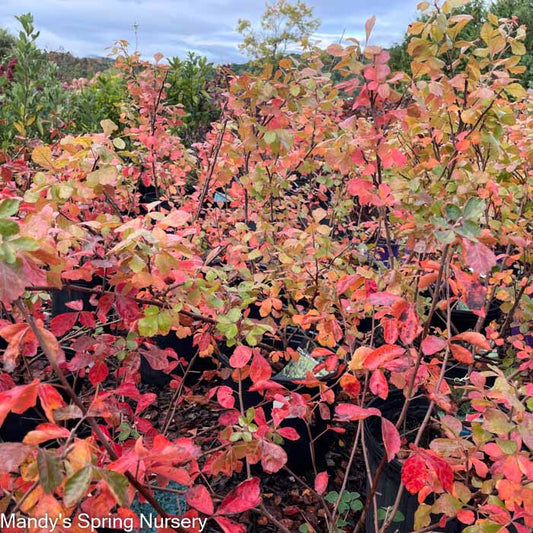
87	27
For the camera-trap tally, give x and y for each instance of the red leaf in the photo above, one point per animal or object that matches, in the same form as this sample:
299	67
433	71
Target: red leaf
260	370
127	308
240	357
62	323
390	330
273	457
228	526
391	438
98	372
45	432
432	345
321	482
50	400
244	497
378	384
477	339
288	433
18	399
225	397
350	384
382	355
349	411
465	516
414	473
462	354
87	319
198	497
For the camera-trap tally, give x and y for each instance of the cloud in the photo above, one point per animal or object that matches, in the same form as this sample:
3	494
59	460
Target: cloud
88	27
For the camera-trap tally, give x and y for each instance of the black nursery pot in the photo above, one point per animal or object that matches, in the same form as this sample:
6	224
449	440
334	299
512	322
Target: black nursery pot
16	426
185	349
466	320
390	479
61	298
299	458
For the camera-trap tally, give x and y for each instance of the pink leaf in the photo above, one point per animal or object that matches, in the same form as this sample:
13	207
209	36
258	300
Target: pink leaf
478	257
240	357
383	298
260	370
225	397
349	411
273	457
289	433
378	384
321	482
391	438
432	344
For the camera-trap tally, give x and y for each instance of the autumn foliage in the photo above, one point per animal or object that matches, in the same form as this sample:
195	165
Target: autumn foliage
364	214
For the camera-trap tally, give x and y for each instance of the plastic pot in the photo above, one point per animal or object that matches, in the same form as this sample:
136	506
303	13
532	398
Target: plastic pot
528	337
299	458
390	479
16	426
61	298
464	320
185	349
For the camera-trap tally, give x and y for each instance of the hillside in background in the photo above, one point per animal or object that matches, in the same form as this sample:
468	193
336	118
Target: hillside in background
71	67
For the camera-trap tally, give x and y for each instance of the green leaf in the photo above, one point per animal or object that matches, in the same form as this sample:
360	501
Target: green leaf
27	244
118	485
148	326
8	227
77	486
497	422
474	208
453	212
8	207
332	496
270	137
446	237
119	143
50	471
469	229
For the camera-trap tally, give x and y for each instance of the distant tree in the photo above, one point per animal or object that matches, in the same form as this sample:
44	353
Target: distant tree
31	104
284	27
400	59
191	84
6	44
523	11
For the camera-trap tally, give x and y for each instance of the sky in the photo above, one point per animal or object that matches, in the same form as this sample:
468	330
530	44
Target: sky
172	27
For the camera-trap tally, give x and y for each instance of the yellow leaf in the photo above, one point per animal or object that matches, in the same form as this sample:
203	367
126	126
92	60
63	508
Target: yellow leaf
516	90
108	126
103	176
42	155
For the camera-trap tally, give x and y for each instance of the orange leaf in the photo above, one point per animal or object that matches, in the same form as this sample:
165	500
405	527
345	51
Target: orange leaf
462	354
